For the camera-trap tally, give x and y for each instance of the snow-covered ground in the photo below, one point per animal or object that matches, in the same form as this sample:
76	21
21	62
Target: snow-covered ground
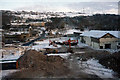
4	73
63	55
50	15
111	50
93	67
43	44
82	44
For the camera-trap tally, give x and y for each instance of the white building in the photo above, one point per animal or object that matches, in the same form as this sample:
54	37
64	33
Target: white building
101	39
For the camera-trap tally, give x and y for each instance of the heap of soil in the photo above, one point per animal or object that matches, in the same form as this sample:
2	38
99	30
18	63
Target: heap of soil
112	61
34	64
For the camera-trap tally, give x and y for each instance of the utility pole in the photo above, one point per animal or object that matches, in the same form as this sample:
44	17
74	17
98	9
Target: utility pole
119	8
2	55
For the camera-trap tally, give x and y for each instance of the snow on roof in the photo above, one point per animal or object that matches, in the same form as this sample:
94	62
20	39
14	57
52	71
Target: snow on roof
16	33
19	23
43	28
1	50
54	31
99	34
1	30
11	57
71	31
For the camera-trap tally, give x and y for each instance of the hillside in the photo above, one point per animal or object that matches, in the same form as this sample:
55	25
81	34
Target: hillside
96	22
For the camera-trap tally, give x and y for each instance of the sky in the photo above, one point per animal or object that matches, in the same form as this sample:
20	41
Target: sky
88	6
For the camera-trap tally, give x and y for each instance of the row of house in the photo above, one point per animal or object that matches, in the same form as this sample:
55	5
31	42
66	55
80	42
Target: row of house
21	32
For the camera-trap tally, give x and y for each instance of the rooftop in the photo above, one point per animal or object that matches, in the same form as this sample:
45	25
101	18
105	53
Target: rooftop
16	33
71	31
99	34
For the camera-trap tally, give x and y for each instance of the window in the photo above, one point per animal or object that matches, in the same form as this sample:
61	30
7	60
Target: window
101	47
118	43
107	46
24	37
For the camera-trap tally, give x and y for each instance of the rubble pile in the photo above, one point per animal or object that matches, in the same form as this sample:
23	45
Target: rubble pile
34	64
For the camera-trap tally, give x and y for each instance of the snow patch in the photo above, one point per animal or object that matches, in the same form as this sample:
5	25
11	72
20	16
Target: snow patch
4	73
42	45
63	55
93	67
82	44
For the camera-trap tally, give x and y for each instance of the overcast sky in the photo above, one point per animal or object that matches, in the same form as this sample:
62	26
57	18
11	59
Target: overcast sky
88	6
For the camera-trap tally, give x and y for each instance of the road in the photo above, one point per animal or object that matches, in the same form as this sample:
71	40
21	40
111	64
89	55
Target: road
41	37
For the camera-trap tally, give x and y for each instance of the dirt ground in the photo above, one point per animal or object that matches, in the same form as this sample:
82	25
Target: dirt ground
112	61
34	64
89	53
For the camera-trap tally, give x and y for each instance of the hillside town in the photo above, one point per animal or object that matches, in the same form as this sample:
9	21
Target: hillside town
50	45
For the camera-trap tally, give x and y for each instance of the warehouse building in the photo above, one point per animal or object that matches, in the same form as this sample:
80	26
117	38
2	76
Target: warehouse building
101	39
